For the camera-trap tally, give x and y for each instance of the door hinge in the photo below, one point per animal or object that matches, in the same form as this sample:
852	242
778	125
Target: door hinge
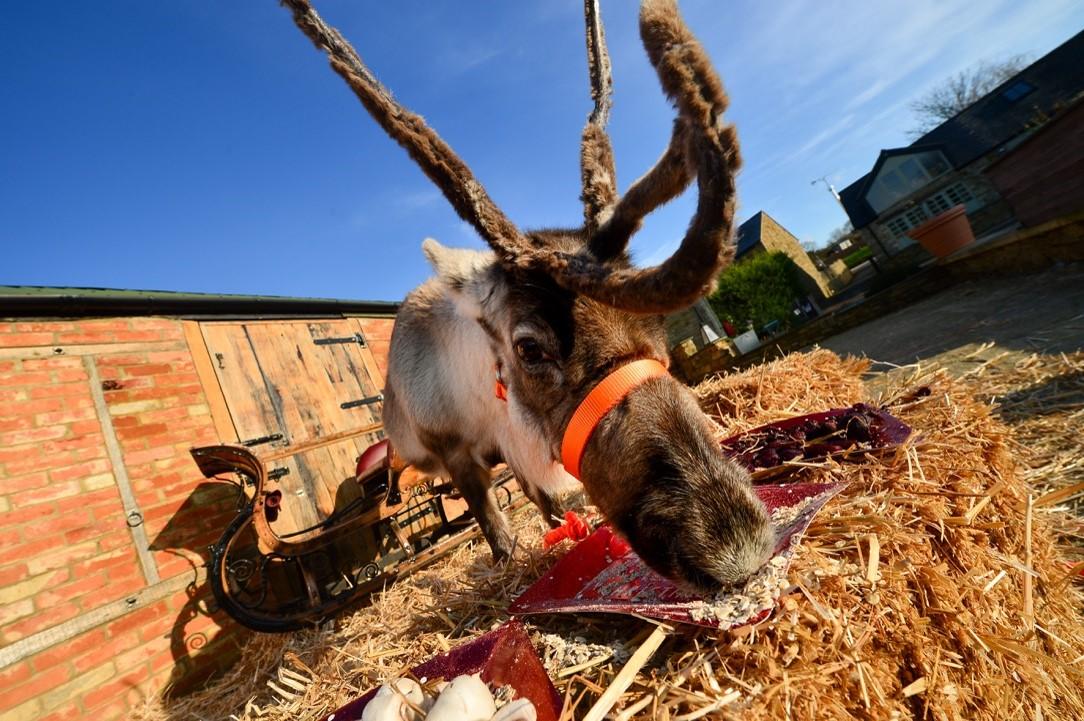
356	338
277	473
261	440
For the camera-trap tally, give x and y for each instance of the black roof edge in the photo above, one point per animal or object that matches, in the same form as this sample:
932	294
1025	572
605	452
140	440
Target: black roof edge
31	302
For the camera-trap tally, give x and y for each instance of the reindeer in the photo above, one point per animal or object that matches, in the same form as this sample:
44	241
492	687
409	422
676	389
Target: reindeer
558	314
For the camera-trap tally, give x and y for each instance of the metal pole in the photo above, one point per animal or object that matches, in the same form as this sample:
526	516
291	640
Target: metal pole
831	189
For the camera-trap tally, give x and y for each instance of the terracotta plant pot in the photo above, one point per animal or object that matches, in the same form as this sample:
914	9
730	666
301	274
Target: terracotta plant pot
946	233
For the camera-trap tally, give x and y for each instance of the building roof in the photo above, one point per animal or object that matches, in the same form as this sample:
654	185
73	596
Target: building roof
748	235
1055	80
25	301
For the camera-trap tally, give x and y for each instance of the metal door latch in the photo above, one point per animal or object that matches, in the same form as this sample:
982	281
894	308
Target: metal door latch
356	338
363	401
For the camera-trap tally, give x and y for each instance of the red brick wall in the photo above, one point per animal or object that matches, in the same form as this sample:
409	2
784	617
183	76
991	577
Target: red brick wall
1041	179
68	549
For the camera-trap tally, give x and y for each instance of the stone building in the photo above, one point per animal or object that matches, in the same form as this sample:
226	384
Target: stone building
948	165
697	339
763	234
1042	178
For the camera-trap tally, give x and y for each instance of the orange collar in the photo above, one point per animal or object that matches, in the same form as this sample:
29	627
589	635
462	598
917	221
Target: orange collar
601	400
500	390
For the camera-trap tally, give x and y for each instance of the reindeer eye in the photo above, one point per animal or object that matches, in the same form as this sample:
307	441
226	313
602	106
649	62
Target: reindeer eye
529	351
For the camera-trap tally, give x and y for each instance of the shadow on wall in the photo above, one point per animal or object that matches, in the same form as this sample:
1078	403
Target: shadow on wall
205	642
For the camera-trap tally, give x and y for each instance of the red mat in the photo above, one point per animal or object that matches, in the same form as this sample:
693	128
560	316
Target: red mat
601	574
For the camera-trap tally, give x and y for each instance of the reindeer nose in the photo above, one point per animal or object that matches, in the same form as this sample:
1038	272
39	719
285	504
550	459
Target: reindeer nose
748	556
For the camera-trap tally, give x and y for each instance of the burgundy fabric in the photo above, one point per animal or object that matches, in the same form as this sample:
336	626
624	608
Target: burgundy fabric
372	457
602	574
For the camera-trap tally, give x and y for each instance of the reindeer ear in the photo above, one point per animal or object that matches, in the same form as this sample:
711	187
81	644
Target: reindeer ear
471	275
455	266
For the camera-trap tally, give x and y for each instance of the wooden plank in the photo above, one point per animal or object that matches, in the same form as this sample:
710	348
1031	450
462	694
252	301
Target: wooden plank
324	378
351	379
321	442
50	351
300	390
132	510
370	359
344	366
368	371
275	379
55	635
212	389
371	367
252	407
234	364
327	379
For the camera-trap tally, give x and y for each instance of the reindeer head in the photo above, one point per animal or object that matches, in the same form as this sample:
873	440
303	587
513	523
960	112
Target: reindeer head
564	308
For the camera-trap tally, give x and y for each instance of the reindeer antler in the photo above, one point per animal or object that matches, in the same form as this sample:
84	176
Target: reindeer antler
436	159
666	180
608	221
687	77
700	143
596	154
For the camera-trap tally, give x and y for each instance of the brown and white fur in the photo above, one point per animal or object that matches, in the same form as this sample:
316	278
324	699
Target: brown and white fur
558	310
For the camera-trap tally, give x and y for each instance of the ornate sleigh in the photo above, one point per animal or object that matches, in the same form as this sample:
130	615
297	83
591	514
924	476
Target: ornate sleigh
272	576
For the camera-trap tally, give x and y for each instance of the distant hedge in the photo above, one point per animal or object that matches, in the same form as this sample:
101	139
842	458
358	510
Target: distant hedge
758	289
858	256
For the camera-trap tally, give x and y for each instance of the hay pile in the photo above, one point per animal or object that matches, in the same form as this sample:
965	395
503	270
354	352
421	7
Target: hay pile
930	588
1041	398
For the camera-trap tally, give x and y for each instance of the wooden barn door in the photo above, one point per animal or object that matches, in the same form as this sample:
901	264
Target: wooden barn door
289	382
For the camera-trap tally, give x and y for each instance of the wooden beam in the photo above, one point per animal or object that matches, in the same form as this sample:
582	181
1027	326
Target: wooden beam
320	442
62	351
212	389
132	513
45	639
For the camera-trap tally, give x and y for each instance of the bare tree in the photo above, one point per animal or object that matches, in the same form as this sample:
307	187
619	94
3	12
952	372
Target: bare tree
840	233
959	91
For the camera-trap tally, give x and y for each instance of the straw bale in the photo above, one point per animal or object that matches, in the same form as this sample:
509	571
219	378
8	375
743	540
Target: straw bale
907	598
1041	398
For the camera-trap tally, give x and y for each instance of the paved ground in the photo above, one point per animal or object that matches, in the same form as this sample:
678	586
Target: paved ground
1018	343
1041	313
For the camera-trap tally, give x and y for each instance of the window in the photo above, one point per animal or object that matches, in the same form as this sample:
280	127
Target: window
1017	90
958	194
939	202
915	216
900	176
913	173
898	226
934	163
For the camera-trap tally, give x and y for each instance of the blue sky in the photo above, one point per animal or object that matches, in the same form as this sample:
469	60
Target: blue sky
206	146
